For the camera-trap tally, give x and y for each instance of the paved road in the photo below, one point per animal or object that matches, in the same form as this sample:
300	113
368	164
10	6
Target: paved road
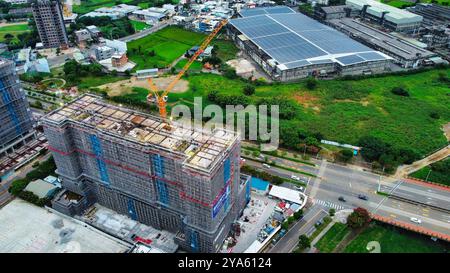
337	180
290	240
145	32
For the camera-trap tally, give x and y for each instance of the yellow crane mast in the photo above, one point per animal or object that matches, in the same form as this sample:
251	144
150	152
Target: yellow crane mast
161	98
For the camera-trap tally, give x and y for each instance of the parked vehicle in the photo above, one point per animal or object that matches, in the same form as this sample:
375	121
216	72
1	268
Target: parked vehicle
299	188
295	177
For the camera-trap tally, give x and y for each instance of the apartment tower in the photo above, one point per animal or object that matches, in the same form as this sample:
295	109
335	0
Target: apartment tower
48	15
160	174
16	121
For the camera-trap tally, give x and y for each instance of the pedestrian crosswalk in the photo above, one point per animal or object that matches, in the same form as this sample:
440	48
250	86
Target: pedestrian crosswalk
328	204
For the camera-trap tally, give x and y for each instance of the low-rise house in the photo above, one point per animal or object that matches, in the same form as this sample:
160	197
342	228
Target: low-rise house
41	188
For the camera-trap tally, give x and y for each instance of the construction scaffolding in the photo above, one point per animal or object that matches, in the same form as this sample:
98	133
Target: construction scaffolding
174	178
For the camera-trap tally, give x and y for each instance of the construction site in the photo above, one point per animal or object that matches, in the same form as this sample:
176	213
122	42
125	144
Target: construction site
185	181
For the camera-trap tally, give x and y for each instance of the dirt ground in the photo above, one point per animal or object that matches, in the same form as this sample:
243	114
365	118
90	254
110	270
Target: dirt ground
447	131
125	86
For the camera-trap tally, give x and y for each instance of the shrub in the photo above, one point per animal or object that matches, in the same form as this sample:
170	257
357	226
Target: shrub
311	83
332	212
400	91
249	90
346	155
435	115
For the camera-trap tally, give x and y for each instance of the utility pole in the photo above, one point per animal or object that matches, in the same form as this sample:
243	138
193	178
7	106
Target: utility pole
379	181
426	179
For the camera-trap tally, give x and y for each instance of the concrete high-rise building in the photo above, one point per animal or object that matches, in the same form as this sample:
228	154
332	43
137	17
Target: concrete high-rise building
172	178
16	121
48	15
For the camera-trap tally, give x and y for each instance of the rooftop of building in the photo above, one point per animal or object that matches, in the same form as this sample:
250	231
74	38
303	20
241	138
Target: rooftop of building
394	14
293	40
396	45
200	149
31	229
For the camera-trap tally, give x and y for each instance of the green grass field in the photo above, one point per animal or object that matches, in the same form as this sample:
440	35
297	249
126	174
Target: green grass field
331	239
434	173
88	82
168	44
344	111
394	240
171	43
90	5
195	66
398	3
14	30
138	26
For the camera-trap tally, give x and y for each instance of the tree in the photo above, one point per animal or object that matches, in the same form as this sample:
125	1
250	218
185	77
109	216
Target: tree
359	218
311	83
332	212
304	242
18	186
298	214
400	91
249	90
346	155
372	148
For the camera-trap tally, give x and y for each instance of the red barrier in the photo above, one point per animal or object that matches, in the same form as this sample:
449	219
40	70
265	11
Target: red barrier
427	183
411	227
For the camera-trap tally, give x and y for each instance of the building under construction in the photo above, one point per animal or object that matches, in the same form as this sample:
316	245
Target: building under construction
16	126
182	180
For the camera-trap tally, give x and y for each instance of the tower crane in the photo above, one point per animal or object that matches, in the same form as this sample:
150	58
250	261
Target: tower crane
161	97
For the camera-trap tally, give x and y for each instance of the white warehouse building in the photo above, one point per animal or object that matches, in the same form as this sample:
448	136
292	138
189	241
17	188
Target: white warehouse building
390	17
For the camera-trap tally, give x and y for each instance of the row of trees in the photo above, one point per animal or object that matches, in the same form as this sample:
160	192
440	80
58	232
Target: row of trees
74	71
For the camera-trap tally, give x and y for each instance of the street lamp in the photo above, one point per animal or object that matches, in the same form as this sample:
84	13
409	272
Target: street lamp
379	181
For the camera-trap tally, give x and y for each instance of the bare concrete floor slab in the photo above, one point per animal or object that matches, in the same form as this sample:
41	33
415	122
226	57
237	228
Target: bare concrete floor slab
26	228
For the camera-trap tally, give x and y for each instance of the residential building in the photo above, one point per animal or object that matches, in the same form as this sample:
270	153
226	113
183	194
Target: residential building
186	181
49	19
119	59
15	115
103	52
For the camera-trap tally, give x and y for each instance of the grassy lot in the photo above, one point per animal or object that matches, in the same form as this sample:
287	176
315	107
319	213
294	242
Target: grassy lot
331	239
90	5
440	172
393	240
226	49
168	44
88	82
345	110
398	3
138	26
196	65
15	30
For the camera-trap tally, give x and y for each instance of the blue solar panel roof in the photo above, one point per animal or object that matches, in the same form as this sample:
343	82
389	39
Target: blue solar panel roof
295	40
268	10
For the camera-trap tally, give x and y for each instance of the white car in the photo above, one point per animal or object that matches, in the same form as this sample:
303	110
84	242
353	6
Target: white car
295	177
415	220
266	166
242	159
299	188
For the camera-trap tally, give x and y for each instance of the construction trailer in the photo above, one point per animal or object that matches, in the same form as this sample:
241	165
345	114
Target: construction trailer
16	127
186	181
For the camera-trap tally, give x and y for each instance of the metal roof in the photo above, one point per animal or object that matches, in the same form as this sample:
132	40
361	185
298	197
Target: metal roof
295	40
